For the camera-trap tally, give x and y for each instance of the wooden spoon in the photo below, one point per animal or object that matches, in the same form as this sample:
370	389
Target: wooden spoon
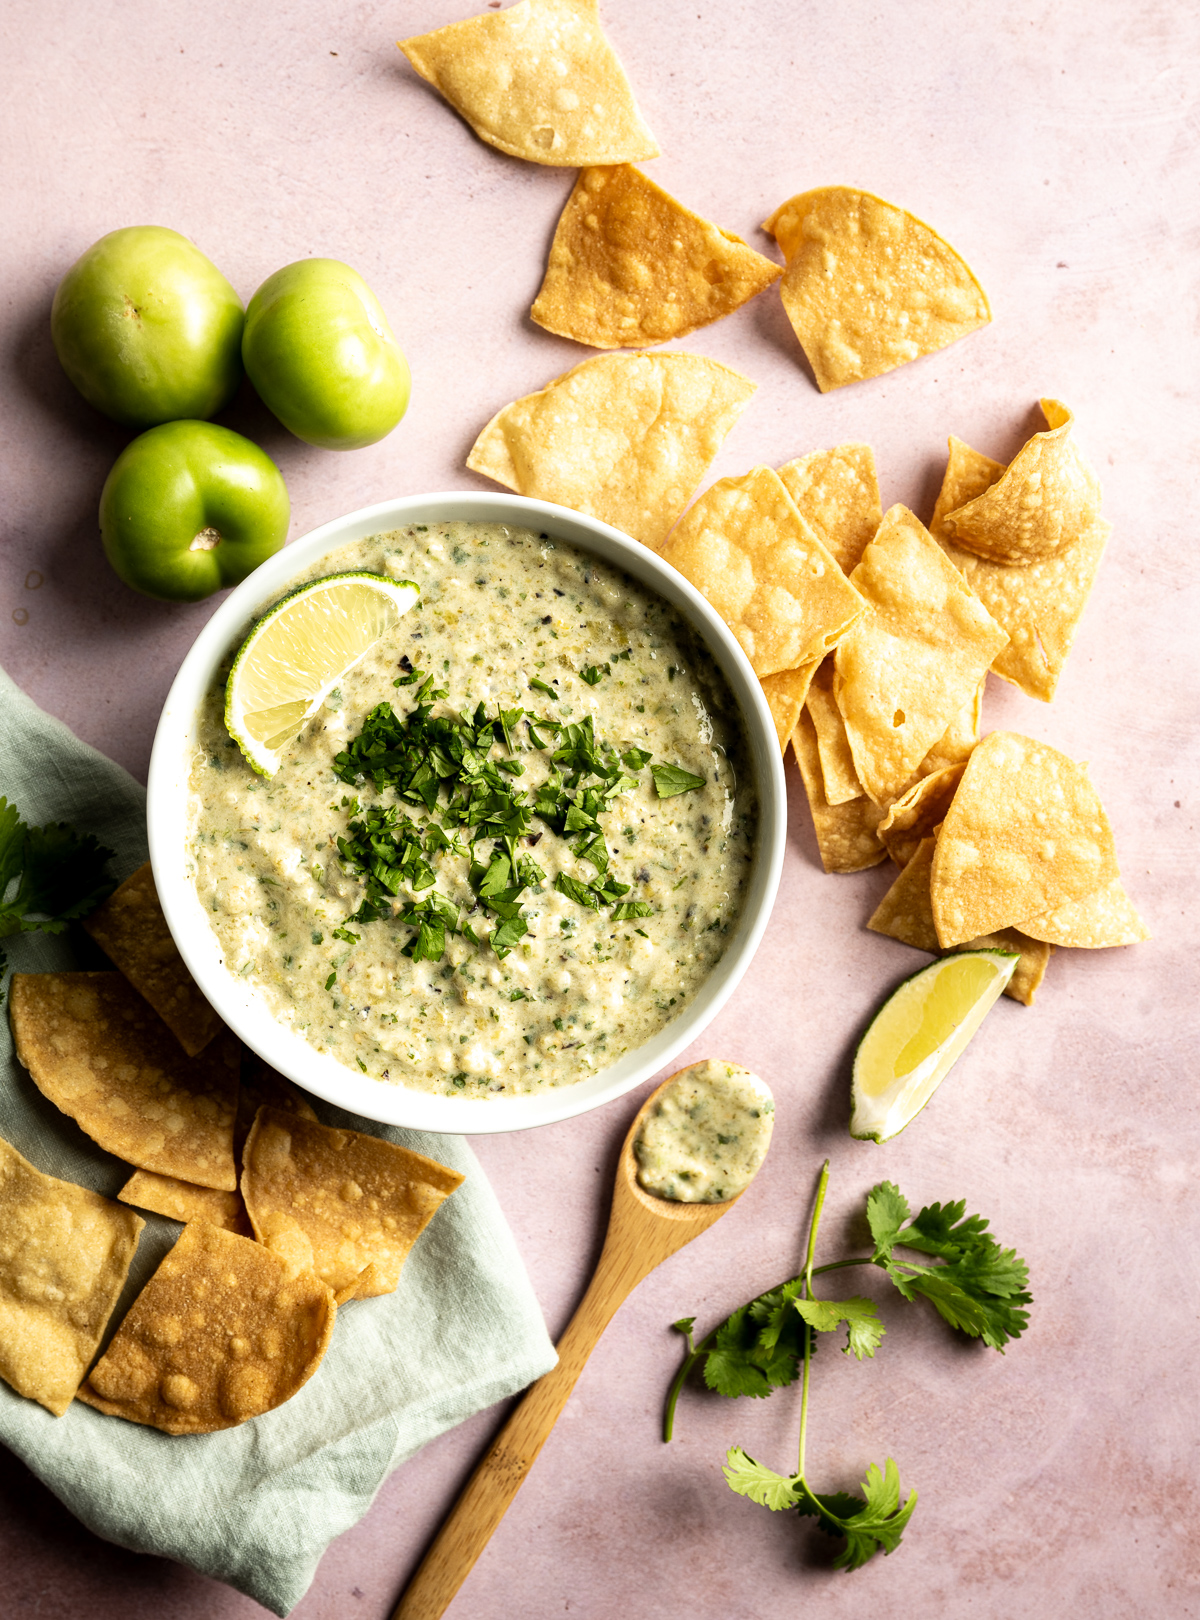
642	1232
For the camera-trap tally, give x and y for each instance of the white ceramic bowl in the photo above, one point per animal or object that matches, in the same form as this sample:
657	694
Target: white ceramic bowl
236	1000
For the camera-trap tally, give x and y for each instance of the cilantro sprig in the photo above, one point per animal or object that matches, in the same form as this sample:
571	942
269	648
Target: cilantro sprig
975	1285
49	876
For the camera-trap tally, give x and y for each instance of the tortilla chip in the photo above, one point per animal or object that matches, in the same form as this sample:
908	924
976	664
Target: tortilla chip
219	1334
1025	833
629	266
747	549
869	286
539	81
1103	918
837	763
184	1201
625	438
1040	606
103	1055
132	932
906	913
64	1255
345	1205
968	474
837	492
915	814
1045	501
846	835
914	660
957	742
263	1087
785	692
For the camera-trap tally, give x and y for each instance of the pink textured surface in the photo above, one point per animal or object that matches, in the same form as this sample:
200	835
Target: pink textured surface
1055	145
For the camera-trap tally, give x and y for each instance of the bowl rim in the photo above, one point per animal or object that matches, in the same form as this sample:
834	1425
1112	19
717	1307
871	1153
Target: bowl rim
239	1005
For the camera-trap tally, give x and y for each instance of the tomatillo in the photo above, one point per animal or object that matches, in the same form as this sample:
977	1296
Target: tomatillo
190	508
320	352
148	329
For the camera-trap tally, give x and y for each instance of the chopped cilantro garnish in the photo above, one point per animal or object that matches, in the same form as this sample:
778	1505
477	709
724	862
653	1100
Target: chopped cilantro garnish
344	933
632	908
593	674
49	876
543	686
670	780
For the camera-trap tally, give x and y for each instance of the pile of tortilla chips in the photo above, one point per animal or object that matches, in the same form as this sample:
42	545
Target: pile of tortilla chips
872	645
238	1315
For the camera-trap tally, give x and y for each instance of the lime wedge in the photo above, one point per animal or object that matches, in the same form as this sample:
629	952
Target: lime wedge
918	1036
299	651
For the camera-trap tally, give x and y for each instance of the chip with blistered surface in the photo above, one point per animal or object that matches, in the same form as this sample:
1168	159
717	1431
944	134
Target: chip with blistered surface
342	1204
103	1055
837	492
221	1333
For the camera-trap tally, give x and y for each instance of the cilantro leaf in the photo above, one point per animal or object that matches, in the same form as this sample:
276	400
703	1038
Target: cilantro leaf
593	674
887	1211
670	780
634	758
940	1229
878	1523
761	1485
632	908
864	1329
740	1363
543	686
579	892
55	874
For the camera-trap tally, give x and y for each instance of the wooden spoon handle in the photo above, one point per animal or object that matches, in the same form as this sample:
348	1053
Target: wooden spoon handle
491	1488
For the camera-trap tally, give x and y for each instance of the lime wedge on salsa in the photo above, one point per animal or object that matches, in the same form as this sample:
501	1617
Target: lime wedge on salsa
298	652
917	1037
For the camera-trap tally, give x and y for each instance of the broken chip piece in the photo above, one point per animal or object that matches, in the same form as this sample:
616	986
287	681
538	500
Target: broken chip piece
625	438
917	813
184	1201
132	932
837	492
222	1332
1044	501
64	1255
103	1055
630	266
746	548
1025	834
785	692
344	1205
914	660
539	81
846	833
837	762
869	286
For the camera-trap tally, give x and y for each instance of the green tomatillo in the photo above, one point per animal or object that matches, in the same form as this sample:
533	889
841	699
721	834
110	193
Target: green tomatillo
190	508
148	329
320	352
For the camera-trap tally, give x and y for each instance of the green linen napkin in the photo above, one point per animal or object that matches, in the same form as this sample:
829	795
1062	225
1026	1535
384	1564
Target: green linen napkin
255	1506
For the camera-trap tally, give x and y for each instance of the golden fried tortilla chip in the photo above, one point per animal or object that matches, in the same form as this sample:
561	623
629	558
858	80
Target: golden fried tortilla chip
955	744
539	81
869	286
1045	501
747	549
1098	920
219	1334
846	835
64	1255
916	657
785	692
1040	606
1024	834
837	492
914	815
624	437
968	473
132	932
184	1201
103	1055
345	1205
837	762
906	913
629	266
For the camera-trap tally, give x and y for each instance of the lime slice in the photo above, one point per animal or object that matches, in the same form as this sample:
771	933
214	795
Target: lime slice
918	1036
299	651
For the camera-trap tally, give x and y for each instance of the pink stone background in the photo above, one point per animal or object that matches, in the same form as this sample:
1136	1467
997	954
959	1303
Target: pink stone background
1055	144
